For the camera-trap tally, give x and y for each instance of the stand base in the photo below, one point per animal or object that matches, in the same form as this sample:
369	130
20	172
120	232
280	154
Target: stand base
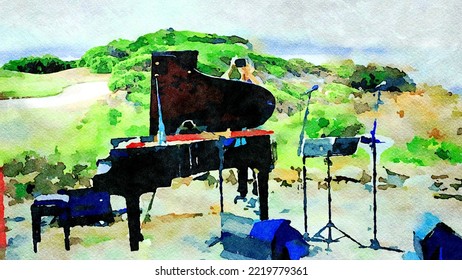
375	245
329	226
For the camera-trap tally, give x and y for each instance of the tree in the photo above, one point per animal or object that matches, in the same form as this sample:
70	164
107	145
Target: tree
39	65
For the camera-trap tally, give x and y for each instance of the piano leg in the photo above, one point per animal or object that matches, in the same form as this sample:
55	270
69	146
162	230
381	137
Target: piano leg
133	216
263	177
36	219
242	177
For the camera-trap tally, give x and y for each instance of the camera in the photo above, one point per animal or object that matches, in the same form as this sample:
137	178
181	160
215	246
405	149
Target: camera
241	62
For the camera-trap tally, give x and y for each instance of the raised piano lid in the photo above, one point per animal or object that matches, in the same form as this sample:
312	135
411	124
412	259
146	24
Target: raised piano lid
213	103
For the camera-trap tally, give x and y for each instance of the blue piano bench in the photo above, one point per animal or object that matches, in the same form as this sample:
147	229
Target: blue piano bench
83	207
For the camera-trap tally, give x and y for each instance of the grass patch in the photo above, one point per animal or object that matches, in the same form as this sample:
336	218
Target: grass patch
20	85
93	240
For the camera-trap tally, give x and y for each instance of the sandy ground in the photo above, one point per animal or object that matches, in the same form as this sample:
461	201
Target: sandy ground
44	119
183	220
76	95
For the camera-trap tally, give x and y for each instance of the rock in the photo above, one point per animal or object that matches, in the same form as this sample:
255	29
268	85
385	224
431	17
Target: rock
365	178
231	178
457	186
386	186
448	196
396	179
436	186
348	174
322	185
436	177
361	107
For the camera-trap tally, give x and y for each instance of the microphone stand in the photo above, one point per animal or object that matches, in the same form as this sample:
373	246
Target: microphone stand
299	151
375	244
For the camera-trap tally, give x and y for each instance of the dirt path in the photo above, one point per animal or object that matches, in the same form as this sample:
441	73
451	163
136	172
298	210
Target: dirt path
75	95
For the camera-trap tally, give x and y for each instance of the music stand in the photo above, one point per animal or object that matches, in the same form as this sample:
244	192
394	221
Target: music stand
323	147
328	147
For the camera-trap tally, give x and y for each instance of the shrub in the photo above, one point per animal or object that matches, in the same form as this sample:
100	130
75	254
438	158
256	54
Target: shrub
337	125
273	65
450	152
102	64
368	78
43	175
39	65
114	116
298	66
343	69
337	93
424	152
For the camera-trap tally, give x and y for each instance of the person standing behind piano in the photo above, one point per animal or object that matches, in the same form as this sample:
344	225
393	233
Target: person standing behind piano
246	69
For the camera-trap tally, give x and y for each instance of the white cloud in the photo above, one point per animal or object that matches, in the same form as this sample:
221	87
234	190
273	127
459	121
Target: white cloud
412	29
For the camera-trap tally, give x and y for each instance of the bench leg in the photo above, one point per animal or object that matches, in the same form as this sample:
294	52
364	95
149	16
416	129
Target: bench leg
67	233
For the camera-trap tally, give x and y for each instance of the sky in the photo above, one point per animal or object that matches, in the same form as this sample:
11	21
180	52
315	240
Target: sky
419	35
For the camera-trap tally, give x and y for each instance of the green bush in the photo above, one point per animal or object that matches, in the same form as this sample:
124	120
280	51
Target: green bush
368	78
216	39
425	152
101	59
89	55
47	176
336	125
298	66
131	80
295	90
39	65
138	63
337	93
343	69
270	64
114	116
119	48
450	152
102	64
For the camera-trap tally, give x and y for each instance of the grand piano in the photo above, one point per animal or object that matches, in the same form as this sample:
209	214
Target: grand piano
198	123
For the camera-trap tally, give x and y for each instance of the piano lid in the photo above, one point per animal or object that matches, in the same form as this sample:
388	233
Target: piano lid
214	104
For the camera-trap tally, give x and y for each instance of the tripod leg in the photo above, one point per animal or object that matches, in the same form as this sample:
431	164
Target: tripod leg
305	200
347	236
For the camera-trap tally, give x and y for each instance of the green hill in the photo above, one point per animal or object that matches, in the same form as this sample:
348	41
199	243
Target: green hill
343	106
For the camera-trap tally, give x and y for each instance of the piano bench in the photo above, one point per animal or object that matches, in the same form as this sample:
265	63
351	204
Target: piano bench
83	207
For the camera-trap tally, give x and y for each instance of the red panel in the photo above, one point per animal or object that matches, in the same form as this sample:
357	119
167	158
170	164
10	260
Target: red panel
2	211
250	133
135	145
204	137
